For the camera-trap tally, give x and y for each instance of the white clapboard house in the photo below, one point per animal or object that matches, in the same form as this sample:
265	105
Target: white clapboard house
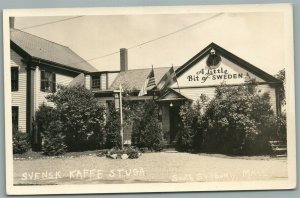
39	65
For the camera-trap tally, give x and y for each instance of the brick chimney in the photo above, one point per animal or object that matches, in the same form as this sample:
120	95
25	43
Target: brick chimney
12	22
123	59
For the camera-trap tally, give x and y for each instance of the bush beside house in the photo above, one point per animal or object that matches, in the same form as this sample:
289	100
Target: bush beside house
192	125
82	117
78	118
20	142
238	121
54	139
112	128
147	131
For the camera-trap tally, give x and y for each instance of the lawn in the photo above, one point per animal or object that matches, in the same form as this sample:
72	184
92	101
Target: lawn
150	167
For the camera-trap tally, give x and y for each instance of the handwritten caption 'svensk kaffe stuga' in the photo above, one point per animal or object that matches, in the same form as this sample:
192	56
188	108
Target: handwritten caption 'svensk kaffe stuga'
84	174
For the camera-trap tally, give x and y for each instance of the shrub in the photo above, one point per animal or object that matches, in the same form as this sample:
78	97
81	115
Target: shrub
82	118
147	131
239	119
43	117
191	131
281	121
132	153
112	128
20	142
54	140
126	153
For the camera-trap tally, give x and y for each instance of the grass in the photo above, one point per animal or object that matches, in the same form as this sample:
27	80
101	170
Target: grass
87	168
39	155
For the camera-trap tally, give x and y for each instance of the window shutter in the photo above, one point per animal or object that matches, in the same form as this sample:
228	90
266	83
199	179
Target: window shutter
53	82
43	80
17	78
14	71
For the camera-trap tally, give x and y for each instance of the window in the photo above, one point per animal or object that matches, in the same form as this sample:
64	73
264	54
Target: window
15	117
14	78
48	81
95	82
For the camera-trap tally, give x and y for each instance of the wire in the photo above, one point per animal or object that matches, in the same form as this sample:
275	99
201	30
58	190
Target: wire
129	48
155	39
179	30
39	25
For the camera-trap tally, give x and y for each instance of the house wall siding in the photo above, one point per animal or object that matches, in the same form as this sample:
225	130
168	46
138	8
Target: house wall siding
103	81
111	78
18	98
60	80
195	93
88	81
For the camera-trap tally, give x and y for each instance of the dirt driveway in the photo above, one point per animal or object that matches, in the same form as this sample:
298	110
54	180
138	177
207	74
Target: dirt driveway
150	167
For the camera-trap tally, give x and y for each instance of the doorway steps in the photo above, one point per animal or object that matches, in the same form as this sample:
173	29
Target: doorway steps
279	148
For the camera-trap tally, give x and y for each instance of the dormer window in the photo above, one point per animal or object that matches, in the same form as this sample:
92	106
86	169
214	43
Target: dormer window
48	81
96	82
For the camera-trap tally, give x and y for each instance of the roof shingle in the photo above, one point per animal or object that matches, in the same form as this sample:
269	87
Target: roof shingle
135	79
47	50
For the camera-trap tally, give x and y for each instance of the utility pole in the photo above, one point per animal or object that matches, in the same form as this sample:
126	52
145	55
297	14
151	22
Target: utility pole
119	107
121	119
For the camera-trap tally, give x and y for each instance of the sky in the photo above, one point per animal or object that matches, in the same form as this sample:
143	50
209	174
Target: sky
255	37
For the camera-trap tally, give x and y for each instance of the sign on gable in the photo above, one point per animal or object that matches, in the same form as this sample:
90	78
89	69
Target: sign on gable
225	72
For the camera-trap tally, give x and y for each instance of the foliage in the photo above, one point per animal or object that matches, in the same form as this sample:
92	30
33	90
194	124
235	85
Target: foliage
82	118
43	117
192	126
281	122
239	119
147	131
127	152
20	142
54	139
281	76
112	128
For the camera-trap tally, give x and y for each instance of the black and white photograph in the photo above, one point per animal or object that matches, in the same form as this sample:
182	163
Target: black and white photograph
149	99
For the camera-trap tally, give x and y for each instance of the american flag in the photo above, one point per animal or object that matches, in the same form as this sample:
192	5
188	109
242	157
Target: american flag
149	83
167	80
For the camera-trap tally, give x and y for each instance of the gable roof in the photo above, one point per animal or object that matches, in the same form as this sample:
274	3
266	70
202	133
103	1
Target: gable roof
231	57
135	79
171	95
39	48
78	80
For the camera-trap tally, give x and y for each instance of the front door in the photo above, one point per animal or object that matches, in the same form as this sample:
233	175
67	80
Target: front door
174	123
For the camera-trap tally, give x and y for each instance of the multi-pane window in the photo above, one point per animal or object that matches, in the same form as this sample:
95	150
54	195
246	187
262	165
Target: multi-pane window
96	82
48	81
14	78
15	117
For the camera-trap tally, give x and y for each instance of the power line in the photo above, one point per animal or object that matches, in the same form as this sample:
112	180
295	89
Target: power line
155	39
52	22
179	30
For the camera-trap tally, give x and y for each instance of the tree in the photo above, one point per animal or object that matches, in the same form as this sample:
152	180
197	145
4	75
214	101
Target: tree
43	118
240	121
81	116
281	76
193	126
147	132
54	139
112	128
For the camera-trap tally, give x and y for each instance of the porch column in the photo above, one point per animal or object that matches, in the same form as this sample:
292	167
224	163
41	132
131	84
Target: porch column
166	120
30	101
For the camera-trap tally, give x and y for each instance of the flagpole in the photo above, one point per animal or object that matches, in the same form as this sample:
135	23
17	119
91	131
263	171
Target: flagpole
121	118
155	85
176	78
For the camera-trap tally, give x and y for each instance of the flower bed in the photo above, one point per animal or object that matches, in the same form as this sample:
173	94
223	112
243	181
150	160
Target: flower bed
126	153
